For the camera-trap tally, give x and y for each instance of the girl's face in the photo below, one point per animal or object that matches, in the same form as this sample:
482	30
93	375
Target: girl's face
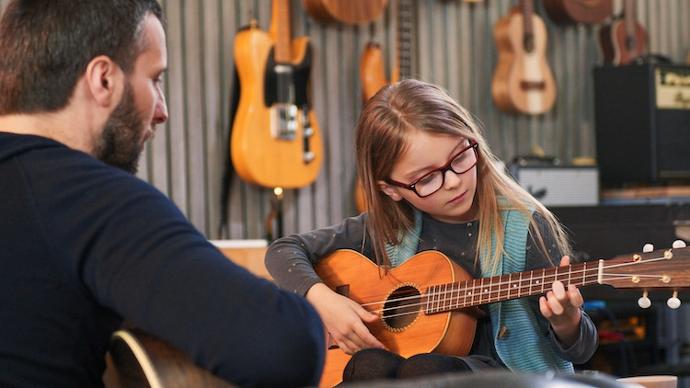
426	152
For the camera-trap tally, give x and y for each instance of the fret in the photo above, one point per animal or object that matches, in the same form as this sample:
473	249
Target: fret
464	302
570	270
555	276
531	276
510	284
543	276
474	285
490	289
444	298
427	300
584	271
481	292
519	291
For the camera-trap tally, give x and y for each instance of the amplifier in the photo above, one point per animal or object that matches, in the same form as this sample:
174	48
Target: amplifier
642	118
559	185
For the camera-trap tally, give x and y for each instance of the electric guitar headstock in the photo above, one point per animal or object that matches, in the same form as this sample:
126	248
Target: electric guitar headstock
651	269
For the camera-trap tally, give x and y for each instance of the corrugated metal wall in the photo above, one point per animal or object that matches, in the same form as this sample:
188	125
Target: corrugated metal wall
455	49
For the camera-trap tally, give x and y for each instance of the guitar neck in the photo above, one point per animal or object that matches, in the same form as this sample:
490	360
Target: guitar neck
280	28
405	15
527	8
451	296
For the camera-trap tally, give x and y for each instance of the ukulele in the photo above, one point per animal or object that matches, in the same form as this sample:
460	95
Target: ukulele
522	82
624	40
372	70
276	141
578	11
425	304
345	11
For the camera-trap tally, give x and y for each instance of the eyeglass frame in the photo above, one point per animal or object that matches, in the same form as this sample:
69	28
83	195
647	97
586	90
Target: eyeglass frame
447	167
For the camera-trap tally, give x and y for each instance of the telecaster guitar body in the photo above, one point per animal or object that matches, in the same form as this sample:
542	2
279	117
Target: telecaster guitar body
276	140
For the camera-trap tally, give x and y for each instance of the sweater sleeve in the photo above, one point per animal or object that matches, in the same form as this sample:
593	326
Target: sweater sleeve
136	253
290	260
587	341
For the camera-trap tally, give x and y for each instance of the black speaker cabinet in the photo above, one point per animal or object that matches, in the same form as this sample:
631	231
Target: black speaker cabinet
642	118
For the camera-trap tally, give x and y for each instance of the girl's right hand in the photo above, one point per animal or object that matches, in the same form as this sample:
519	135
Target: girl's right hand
344	319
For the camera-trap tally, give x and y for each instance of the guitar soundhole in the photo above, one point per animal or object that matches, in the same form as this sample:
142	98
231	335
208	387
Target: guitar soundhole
402	307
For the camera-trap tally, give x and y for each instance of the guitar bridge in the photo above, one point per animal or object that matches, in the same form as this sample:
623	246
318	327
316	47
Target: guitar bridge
284	121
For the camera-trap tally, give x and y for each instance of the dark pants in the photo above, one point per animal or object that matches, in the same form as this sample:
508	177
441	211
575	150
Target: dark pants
370	364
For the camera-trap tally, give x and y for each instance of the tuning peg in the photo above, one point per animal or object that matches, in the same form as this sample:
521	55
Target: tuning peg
647	248
679	244
673	302
644	301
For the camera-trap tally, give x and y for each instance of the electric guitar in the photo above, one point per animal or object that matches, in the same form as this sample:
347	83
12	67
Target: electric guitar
624	40
276	140
424	304
372	70
522	82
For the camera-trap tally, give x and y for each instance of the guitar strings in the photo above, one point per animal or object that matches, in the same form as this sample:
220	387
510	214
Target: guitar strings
450	307
544	277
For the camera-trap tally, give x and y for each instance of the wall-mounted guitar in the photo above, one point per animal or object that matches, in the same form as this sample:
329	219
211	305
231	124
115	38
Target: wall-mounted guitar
372	69
522	82
345	11
578	11
624	40
423	303
276	141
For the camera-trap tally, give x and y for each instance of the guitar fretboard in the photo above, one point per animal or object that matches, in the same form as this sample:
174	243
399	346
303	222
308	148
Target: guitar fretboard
451	296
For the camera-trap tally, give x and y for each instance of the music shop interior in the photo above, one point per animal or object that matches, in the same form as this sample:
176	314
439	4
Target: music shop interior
585	105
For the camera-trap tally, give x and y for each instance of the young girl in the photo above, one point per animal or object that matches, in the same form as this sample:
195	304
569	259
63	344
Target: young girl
431	184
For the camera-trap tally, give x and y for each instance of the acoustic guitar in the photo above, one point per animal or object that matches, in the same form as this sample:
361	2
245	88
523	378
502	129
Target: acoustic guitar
522	82
137	359
624	40
372	69
345	11
276	140
578	11
423	304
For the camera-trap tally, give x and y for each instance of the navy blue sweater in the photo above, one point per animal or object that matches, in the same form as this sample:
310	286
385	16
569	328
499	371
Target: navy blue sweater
85	245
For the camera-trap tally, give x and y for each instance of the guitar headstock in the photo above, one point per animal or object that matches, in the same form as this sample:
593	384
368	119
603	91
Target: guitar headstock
662	268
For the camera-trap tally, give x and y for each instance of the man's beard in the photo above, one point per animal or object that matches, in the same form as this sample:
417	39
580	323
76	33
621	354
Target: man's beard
120	143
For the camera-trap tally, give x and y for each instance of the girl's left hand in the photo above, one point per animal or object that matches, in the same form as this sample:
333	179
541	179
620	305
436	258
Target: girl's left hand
561	308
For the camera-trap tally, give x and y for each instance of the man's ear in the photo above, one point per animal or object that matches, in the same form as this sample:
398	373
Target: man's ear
389	190
104	80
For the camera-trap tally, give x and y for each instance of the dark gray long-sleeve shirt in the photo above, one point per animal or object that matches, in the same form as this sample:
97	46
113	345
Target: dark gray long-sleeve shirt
290	260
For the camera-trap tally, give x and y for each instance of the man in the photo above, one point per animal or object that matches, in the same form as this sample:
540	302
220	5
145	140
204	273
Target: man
86	245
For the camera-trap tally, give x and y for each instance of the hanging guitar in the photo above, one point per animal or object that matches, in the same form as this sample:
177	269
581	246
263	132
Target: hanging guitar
578	11
624	40
276	140
522	82
345	11
423	303
372	69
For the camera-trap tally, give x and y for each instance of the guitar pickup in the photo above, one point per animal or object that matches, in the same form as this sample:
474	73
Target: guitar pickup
284	121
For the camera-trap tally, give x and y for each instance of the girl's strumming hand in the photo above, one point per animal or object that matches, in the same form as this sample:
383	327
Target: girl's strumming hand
344	319
561	308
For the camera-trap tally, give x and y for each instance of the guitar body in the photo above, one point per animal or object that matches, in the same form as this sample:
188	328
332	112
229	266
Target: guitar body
355	276
263	151
137	359
350	11
578	11
372	73
522	82
626	50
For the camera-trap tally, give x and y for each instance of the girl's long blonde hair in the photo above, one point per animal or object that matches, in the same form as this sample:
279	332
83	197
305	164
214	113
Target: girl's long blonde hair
387	120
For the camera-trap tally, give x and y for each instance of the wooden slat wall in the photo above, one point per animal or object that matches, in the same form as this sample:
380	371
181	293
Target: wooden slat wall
455	49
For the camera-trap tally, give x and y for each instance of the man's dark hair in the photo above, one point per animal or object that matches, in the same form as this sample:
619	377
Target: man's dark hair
46	45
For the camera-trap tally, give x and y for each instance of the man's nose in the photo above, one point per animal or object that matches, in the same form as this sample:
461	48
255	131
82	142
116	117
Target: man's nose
160	115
